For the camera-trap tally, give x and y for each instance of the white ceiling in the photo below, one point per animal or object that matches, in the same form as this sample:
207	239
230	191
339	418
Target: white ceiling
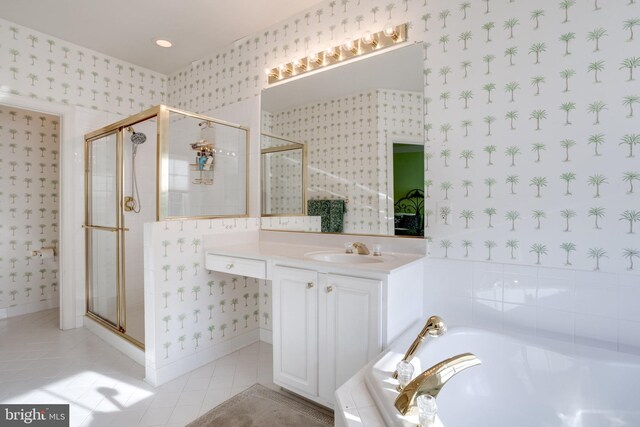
126	29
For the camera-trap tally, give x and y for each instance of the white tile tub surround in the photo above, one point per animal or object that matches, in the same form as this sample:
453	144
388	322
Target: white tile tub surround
356	404
584	307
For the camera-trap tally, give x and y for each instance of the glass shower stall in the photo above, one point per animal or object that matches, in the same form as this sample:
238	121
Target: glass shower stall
159	165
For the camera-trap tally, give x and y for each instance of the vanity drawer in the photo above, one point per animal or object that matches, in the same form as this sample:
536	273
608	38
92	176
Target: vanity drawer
234	265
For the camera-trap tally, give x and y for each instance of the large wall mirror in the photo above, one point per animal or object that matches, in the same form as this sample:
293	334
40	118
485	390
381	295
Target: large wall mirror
362	128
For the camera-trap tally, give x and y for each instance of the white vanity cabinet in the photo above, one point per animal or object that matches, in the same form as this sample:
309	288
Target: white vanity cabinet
329	319
350	332
295	329
326	327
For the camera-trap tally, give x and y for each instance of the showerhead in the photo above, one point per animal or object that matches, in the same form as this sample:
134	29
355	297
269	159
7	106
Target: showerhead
435	326
137	138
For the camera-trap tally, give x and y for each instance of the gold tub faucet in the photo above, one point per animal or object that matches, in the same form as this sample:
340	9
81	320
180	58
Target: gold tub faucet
434	327
433	379
361	248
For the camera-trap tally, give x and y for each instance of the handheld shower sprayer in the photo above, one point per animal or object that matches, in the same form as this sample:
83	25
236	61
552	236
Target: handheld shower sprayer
435	327
137	138
132	203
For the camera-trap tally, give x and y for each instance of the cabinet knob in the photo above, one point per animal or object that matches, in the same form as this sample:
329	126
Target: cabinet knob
309	285
229	266
329	289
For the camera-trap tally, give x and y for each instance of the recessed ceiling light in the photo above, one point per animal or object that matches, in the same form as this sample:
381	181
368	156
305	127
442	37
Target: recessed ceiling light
163	43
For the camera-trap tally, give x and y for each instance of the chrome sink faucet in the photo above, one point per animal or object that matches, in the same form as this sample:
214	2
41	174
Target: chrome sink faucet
433	379
361	248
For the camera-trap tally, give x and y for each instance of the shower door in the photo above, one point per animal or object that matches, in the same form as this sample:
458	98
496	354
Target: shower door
104	232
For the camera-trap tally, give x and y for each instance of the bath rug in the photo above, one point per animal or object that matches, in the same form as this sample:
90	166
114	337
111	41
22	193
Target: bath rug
259	406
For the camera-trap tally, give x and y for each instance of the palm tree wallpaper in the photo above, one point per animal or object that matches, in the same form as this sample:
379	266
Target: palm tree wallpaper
352	148
29	178
44	67
195	309
545	92
568	132
531	77
532	144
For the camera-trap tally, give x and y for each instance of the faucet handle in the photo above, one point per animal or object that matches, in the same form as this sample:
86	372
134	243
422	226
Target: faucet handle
348	248
433	379
377	250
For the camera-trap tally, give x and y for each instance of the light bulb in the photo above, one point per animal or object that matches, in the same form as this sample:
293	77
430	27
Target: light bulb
368	38
313	57
389	30
348	43
163	43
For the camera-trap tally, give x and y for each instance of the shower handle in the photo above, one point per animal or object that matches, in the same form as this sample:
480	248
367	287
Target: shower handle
129	204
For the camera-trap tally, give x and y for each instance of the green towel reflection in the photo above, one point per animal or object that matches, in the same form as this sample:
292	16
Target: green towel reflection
331	213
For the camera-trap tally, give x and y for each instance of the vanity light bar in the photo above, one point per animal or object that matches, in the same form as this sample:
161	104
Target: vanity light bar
368	43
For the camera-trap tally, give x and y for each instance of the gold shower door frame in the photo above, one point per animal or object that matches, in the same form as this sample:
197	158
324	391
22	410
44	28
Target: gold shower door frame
292	145
118	326
161	113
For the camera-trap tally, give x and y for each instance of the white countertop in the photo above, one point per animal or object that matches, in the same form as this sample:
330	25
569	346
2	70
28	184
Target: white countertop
288	253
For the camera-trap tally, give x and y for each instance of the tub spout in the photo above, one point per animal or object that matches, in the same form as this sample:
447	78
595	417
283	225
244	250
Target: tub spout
433	379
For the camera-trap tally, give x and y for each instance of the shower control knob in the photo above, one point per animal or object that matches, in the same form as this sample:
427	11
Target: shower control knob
129	204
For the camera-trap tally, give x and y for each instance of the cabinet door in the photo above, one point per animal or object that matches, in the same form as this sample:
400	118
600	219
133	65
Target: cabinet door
295	329
350	330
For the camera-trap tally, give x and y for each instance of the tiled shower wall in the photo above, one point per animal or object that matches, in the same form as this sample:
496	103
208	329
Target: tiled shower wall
29	159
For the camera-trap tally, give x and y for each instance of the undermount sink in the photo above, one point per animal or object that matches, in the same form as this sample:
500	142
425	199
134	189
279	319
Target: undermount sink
344	258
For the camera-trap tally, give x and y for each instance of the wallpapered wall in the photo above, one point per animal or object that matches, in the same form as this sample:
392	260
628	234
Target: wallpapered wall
40	66
533	132
29	176
582	57
193	309
347	141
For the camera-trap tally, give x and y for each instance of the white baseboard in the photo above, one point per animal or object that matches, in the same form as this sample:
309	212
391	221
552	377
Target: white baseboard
158	376
266	335
33	307
114	340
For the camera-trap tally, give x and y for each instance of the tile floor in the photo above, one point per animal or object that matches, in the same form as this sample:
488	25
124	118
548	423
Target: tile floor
41	364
